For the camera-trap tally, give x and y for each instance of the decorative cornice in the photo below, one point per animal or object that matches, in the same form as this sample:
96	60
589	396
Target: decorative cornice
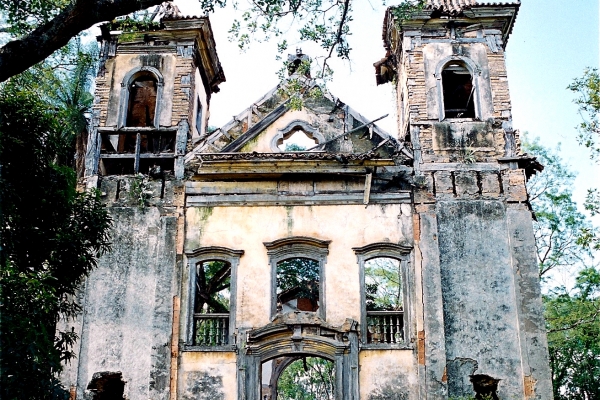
214	251
382	247
297	240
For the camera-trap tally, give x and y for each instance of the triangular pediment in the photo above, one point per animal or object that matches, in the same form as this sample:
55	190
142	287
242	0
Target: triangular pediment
324	125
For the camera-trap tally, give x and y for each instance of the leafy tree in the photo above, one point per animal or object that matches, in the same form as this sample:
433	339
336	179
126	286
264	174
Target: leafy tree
310	378
559	224
587	89
300	275
383	284
212	281
50	238
573	318
566	240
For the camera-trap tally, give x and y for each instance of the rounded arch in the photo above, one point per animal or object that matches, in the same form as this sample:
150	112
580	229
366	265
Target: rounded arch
137	71
473	68
201	255
299	336
126	83
298	247
401	318
475	71
382	249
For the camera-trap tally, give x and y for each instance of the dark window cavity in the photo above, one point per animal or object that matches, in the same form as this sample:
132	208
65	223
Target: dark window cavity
199	118
106	386
142	101
212	303
458	90
298	284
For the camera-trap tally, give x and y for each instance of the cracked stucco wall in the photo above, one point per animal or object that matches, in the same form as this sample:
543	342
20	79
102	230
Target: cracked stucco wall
127	301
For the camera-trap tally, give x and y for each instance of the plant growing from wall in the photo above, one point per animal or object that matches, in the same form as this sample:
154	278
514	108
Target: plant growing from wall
139	191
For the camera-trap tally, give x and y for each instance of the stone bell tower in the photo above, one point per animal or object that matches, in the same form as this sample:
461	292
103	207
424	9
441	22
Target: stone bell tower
483	331
151	102
152	94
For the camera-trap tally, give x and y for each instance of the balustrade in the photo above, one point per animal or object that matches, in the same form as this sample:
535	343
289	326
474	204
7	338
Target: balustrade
385	327
211	329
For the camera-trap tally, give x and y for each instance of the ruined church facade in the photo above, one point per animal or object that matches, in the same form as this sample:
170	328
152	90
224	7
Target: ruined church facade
237	252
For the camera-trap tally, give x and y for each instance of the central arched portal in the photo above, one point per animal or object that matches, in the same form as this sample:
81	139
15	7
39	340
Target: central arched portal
305	338
298	377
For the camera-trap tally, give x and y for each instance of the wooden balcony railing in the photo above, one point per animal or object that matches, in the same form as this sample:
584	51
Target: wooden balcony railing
211	330
386	327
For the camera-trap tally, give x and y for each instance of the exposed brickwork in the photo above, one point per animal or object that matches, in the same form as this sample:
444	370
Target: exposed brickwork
102	93
508	185
183	91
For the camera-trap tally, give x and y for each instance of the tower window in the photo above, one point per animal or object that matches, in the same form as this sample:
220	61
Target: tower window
458	90
199	117
142	101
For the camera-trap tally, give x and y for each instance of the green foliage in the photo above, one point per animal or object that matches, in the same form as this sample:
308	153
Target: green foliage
213	281
63	81
405	9
559	227
383	284
573	319
133	23
587	88
294	147
51	236
302	274
139	191
311	378
567	241
24	16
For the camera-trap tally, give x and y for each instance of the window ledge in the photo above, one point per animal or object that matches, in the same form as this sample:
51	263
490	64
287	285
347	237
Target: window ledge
385	346
214	349
461	120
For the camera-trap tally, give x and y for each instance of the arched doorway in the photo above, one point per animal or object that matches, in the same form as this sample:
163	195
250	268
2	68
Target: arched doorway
294	337
298	378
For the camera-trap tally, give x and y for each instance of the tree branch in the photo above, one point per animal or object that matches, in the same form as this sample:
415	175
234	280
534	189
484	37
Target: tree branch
18	55
338	36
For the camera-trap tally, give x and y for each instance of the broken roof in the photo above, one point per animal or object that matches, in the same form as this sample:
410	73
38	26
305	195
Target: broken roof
456	9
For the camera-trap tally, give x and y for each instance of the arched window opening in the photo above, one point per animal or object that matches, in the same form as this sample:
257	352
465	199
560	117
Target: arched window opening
212	303
142	101
298	285
297	140
384	300
458	88
298	377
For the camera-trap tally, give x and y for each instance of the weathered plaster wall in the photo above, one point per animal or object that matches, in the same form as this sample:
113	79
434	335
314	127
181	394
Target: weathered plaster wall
207	376
262	143
388	374
247	228
127	315
533	342
478	289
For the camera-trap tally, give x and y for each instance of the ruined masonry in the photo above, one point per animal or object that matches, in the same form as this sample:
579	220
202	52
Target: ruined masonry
406	263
